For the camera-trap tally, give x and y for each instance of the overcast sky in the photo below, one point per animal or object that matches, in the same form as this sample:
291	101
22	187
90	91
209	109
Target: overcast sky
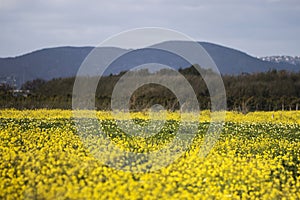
257	27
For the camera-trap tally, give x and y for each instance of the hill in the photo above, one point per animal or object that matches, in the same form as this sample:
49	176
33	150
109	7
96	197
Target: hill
65	61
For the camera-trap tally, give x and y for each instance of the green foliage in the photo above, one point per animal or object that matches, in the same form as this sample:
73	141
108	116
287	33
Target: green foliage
273	90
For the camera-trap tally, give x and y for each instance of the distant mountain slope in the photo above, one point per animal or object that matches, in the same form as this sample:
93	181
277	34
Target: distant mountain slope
65	61
45	63
231	61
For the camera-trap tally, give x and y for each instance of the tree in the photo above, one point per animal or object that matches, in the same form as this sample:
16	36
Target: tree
33	85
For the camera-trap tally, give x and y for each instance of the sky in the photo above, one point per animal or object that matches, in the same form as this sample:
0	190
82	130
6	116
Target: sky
257	27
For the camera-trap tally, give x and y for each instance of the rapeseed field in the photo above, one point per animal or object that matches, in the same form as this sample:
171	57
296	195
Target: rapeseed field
257	156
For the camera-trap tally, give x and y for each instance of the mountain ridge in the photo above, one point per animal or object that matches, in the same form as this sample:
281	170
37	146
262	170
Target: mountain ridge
56	62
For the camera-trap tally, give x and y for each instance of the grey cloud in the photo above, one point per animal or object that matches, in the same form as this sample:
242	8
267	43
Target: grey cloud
32	24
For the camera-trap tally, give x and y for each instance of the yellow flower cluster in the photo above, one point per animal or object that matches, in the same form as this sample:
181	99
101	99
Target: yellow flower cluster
205	115
257	156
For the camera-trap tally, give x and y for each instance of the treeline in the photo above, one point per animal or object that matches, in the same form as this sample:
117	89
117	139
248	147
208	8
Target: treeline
272	90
